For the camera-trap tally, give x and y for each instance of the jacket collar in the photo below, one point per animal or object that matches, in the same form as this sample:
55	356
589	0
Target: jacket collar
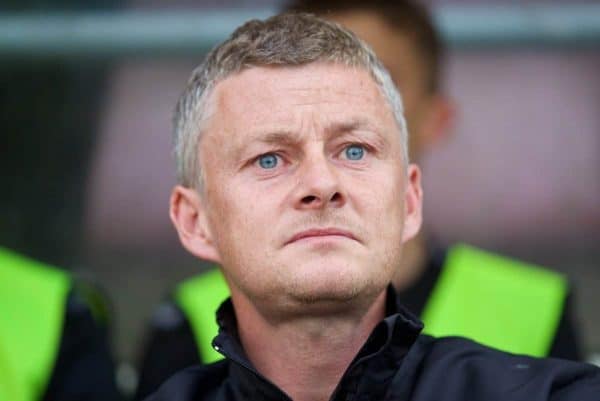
372	368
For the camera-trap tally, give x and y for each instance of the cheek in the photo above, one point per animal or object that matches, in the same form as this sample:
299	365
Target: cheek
240	217
380	191
380	199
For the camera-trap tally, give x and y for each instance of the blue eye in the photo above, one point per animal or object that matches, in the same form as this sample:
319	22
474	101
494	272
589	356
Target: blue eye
355	152
267	161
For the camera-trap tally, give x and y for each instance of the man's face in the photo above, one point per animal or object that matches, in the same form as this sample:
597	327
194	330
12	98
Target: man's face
305	193
407	67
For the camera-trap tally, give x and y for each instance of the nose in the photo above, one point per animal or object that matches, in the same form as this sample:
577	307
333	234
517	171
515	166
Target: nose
319	185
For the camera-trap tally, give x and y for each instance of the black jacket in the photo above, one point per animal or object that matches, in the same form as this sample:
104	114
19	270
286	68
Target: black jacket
396	363
172	346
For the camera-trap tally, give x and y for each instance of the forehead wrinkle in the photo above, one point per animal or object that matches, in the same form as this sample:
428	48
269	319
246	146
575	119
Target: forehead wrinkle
327	89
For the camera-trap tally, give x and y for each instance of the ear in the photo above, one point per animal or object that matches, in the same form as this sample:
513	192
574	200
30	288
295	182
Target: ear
413	203
438	122
188	214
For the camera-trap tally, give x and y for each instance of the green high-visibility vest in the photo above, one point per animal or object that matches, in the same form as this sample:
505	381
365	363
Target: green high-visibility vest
32	303
200	297
497	301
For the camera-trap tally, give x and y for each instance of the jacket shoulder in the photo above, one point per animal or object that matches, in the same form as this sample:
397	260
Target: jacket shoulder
462	367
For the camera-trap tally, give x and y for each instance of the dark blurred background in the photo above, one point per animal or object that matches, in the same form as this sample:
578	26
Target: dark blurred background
86	166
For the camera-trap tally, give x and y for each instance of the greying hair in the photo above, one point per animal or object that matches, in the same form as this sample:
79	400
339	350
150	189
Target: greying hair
290	39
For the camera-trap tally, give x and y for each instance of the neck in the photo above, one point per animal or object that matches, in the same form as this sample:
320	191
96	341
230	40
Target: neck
305	356
414	257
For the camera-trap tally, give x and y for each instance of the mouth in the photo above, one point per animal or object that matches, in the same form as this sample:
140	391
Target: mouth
321	233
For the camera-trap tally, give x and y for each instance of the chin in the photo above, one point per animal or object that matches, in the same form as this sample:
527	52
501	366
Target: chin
333	284
324	293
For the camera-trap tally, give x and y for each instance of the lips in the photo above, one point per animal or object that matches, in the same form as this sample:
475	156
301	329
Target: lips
321	232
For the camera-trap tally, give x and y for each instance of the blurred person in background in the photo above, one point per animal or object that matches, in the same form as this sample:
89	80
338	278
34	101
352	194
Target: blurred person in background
53	335
53	328
454	290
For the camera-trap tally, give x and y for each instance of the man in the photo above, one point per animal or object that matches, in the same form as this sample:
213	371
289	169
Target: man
53	335
294	177
402	35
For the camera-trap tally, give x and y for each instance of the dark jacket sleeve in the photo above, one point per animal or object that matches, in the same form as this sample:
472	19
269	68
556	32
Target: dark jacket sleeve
458	369
566	341
171	347
83	370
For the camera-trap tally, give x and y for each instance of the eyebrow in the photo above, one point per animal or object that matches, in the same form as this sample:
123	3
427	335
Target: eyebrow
271	137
